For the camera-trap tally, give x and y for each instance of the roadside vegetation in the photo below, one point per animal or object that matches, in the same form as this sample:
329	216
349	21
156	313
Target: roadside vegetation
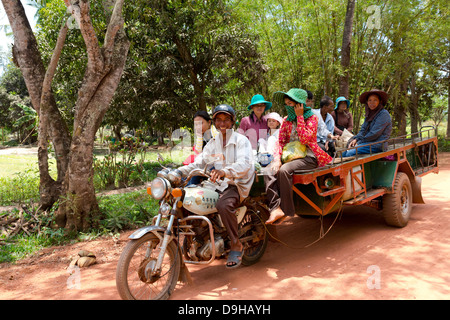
25	230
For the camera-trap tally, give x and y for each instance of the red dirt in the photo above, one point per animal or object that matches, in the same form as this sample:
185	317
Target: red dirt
412	262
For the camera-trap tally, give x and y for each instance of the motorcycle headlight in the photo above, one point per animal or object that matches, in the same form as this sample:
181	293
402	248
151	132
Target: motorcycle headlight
159	188
163	173
174	177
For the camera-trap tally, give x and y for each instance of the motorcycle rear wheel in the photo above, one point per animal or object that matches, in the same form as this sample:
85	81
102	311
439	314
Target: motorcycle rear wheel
133	276
254	250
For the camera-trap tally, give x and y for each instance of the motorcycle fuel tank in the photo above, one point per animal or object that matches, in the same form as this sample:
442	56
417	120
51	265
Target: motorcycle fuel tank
199	200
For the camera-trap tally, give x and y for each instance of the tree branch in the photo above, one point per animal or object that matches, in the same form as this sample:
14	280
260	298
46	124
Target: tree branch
116	22
80	11
46	87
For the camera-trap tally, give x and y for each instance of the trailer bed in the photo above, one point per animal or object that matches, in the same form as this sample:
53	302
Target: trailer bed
365	179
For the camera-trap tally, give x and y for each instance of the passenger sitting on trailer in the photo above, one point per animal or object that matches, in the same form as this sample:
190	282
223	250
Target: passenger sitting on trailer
300	125
377	124
325	129
343	118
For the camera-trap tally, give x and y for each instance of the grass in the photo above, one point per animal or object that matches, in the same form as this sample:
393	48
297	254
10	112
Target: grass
12	164
19	175
19	179
121	212
21	187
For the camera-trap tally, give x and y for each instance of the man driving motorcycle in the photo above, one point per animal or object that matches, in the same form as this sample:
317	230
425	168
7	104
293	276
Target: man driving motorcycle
229	155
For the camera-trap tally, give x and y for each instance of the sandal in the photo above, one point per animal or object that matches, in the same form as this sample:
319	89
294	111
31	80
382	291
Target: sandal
235	257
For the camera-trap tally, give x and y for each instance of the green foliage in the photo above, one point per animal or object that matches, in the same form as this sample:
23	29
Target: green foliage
22	187
184	56
124	165
11	109
301	42
128	210
29	120
120	212
188	54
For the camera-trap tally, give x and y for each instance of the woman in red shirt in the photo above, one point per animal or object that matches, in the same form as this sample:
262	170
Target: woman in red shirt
300	125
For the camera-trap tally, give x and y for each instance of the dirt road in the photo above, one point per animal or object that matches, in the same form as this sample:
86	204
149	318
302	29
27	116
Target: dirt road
360	258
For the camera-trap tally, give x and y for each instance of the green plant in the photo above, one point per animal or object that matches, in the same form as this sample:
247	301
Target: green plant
22	187
443	144
123	165
106	171
30	119
127	210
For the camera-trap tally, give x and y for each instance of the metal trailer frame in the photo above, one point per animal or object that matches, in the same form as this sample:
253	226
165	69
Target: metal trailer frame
366	178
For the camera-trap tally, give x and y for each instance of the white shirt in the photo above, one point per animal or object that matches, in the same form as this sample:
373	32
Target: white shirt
235	159
324	127
268	146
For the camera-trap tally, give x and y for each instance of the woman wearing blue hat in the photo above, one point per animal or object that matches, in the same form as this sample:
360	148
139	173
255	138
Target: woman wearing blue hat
255	125
343	119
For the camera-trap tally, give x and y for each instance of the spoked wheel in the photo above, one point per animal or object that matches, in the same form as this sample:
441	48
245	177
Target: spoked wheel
136	275
253	234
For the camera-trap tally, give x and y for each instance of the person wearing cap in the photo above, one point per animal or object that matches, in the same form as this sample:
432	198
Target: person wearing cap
255	126
230	154
300	125
343	119
377	124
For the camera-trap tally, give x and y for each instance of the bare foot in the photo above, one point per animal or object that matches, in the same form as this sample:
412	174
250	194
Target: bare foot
275	215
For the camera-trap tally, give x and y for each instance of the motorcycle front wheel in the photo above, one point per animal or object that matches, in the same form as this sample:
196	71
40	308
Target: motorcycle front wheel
134	277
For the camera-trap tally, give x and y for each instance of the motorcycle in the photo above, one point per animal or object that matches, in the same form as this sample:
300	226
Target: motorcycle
186	230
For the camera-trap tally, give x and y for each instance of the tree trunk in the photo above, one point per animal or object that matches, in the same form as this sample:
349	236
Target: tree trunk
345	52
28	58
104	70
448	109
199	87
413	110
74	186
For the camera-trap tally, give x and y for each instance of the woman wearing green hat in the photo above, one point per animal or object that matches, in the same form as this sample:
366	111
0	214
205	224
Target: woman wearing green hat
343	119
255	126
300	125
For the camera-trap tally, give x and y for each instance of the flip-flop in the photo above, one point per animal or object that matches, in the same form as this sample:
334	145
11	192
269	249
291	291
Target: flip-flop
234	257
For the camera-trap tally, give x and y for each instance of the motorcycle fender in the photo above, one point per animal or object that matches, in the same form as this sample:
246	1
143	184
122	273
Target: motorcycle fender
240	213
143	231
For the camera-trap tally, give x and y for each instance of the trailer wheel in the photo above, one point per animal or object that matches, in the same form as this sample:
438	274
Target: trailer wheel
398	204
